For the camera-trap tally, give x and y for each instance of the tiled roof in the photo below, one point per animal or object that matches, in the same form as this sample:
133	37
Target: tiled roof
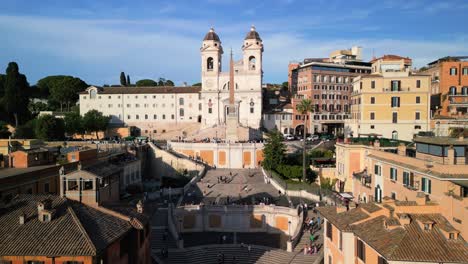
344	219
391	57
397	242
75	229
147	90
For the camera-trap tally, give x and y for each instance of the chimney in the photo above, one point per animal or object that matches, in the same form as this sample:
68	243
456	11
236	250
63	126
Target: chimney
405	219
402	149
421	198
450	156
139	207
40	207
22	219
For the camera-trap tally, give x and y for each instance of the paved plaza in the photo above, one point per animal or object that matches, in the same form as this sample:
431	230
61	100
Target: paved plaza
241	186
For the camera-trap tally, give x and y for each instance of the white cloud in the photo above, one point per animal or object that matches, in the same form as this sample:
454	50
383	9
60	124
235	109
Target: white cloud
103	48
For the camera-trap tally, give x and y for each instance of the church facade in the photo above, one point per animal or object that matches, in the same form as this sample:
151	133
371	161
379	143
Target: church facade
160	110
248	75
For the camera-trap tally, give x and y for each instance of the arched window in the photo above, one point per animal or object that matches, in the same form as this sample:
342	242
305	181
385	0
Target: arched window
252	104
394	134
181	112
453	90
252	63
465	90
325	79
181	101
209	64
92	94
146	116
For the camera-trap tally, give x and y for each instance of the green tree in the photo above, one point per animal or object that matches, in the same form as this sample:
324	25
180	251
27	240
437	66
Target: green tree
15	99
95	121
26	130
274	150
146	82
196	84
2	84
123	80
63	89
128	80
73	123
36	107
49	128
4	133
304	108
169	83
161	82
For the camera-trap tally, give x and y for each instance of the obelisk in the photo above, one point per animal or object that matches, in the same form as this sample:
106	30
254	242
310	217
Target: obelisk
232	119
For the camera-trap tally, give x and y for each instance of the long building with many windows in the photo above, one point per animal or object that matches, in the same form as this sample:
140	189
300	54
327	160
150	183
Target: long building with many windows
328	83
391	102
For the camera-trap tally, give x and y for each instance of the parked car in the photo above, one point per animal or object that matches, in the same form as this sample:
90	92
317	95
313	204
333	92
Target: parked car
313	138
289	137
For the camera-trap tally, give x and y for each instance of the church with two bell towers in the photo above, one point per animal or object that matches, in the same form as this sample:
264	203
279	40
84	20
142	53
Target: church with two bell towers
228	102
247	75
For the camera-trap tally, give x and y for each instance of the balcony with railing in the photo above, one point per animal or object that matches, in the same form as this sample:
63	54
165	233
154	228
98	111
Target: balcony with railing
364	178
458	99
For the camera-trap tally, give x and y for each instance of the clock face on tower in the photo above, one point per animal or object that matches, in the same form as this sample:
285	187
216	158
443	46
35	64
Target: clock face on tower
209	83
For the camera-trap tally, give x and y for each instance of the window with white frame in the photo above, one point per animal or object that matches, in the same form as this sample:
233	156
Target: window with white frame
393	174
426	185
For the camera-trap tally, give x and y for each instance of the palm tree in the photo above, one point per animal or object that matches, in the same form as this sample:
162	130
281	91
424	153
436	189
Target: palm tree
304	107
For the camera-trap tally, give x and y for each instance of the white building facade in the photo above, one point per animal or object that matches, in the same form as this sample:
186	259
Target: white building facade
248	75
156	110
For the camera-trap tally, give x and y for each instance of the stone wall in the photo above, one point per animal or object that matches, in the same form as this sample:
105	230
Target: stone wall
223	155
166	164
248	218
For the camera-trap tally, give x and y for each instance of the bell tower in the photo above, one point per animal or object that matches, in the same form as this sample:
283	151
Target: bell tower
252	49
211	55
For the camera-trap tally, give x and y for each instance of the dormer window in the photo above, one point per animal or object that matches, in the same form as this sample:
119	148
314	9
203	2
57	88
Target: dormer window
452	236
427	226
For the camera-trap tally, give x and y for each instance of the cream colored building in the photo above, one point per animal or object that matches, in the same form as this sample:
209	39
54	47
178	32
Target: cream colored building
153	110
391	101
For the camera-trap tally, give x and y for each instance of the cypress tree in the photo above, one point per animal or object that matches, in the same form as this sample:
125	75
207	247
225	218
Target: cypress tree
123	80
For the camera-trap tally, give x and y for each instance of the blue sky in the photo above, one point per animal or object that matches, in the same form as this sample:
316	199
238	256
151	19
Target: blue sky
97	39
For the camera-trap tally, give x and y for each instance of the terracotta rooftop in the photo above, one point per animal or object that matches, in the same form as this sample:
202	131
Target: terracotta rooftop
147	90
75	229
391	57
402	242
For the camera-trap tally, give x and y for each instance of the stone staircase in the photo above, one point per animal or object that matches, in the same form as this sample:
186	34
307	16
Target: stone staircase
210	254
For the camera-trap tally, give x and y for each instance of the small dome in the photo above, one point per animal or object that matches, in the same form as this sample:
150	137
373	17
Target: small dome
253	34
211	35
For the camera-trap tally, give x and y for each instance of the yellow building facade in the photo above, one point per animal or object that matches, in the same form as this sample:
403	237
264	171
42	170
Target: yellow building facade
391	102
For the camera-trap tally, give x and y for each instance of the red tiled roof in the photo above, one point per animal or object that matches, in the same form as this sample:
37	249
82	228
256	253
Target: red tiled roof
391	57
406	243
75	229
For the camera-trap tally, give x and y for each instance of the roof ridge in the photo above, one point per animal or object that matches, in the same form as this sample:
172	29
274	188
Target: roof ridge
81	228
